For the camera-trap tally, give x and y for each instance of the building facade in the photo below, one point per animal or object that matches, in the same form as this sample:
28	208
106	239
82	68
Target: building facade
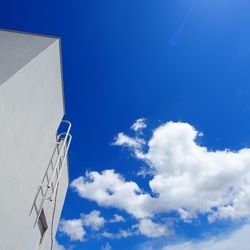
33	155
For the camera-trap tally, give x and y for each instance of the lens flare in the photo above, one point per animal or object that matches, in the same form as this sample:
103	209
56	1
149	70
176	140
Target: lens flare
175	37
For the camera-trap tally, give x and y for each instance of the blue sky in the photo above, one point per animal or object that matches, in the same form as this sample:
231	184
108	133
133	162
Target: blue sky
185	61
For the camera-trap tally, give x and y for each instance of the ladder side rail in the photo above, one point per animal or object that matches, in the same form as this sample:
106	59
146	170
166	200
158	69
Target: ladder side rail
60	171
61	151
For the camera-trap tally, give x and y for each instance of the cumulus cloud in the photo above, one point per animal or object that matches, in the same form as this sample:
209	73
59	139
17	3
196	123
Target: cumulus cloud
73	229
187	178
150	229
93	220
110	189
236	240
139	124
194	179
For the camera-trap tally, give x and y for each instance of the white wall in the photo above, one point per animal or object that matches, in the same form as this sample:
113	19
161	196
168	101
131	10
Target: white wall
17	49
31	109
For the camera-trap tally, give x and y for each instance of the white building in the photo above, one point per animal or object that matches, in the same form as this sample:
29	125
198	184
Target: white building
33	158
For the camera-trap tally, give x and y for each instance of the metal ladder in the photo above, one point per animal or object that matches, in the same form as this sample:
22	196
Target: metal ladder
48	191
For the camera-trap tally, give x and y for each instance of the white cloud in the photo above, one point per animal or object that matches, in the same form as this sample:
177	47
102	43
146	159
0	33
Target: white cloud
124	233
150	229
126	141
117	218
72	228
195	179
187	178
108	235
75	229
139	124
119	235
93	220
107	246
236	240
145	171
110	189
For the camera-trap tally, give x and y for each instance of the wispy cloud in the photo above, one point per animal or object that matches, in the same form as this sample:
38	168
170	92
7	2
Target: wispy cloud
121	234
239	239
107	246
139	124
117	218
123	140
